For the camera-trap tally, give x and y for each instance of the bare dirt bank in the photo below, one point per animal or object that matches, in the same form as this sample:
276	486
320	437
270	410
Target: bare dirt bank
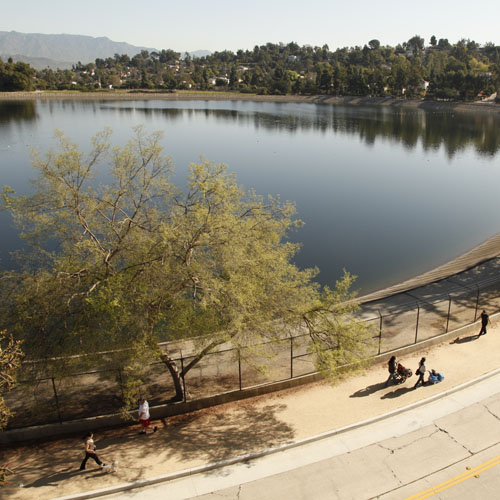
233	96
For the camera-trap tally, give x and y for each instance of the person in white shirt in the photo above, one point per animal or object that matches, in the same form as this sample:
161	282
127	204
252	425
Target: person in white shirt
90	452
144	416
421	370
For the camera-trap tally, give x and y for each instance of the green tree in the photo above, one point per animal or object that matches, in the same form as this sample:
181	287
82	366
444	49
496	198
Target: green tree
443	44
340	79
15	76
169	56
400	75
415	79
10	360
460	51
146	82
324	76
233	78
141	261
416	45
356	81
282	81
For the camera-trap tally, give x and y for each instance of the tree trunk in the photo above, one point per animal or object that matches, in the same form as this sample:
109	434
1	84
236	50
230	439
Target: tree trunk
176	376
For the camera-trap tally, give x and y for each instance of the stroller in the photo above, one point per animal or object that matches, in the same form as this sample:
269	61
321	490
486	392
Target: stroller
402	373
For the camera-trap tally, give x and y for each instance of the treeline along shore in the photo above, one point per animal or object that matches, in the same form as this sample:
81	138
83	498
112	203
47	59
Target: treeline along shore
464	71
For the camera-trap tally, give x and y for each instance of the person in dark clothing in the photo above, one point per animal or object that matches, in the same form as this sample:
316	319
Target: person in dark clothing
485	319
392	365
420	372
90	452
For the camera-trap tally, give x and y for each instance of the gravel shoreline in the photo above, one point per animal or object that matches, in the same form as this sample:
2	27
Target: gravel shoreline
227	96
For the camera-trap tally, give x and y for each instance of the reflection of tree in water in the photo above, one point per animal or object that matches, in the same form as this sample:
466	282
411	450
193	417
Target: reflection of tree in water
14	111
455	130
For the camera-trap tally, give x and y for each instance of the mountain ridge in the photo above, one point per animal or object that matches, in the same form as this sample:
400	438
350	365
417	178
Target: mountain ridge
61	50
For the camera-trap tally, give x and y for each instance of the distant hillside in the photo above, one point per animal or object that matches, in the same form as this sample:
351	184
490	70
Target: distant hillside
60	50
39	62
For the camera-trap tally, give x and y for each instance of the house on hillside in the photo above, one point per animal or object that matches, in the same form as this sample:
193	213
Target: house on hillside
219	80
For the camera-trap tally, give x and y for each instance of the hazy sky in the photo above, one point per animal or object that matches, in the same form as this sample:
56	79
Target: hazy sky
234	24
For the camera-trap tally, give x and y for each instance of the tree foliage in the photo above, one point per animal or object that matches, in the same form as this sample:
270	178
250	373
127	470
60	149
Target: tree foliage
15	76
10	359
123	266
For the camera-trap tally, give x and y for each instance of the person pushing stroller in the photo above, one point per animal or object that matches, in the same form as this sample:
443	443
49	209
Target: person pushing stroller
397	371
392	366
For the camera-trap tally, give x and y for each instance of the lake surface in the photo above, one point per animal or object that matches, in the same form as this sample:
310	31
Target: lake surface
385	193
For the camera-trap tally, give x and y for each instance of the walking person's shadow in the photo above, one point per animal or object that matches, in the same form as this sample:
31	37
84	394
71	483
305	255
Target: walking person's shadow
56	477
398	392
463	340
367	391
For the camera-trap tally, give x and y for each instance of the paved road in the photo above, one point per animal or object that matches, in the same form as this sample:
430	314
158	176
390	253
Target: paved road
422	452
476	477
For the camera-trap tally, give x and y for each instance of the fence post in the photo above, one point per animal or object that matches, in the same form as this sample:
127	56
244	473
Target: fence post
291	356
183	380
57	400
380	332
448	318
477	303
416	329
239	367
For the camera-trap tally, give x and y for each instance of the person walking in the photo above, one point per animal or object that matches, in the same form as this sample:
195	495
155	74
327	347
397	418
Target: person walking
144	416
392	365
90	452
485	319
420	372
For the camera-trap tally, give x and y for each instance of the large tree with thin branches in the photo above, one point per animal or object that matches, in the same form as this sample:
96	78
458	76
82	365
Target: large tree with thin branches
122	266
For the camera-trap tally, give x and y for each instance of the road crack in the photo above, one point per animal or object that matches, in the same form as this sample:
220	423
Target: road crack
490	412
455	440
409	443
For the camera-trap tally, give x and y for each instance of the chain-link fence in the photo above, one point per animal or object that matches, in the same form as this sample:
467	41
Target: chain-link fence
100	392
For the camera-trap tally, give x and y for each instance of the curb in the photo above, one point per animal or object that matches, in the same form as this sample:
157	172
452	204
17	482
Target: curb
261	453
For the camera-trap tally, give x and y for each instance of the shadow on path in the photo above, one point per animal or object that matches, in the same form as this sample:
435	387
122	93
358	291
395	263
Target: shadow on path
463	340
224	435
53	478
397	393
367	391
215	434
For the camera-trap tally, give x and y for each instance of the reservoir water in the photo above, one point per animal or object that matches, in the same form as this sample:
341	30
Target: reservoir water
386	193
